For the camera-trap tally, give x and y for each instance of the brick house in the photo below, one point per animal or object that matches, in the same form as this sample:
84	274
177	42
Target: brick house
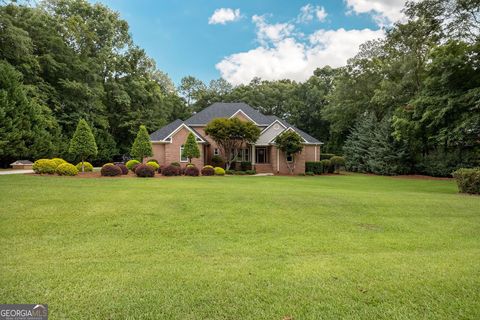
167	142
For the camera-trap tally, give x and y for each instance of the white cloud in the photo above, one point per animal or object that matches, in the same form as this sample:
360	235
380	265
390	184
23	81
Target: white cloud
308	12
293	59
271	32
224	15
384	12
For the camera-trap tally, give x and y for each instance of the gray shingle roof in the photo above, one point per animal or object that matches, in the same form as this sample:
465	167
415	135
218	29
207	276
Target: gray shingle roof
302	133
163	132
226	110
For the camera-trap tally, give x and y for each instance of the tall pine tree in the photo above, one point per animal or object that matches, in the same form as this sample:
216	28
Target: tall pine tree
142	147
83	143
190	148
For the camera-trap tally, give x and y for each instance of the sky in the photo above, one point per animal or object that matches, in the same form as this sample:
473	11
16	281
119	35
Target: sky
242	39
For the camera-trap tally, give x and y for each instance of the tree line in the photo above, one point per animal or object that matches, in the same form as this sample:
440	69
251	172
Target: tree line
409	102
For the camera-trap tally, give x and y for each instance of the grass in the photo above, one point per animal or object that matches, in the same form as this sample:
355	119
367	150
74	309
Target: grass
324	247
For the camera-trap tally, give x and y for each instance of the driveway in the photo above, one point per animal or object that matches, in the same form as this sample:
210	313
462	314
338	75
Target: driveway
18	171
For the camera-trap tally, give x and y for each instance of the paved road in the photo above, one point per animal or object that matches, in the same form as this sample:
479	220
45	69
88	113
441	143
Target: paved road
19	171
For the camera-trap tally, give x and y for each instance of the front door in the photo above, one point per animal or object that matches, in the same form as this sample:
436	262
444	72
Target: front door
260	155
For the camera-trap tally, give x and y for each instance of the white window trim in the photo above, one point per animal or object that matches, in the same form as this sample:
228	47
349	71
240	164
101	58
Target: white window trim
246	116
183	125
181	151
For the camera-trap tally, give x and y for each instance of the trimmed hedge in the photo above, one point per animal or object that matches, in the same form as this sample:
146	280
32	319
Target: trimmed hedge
327	166
230	171
131	163
208	171
87	166
154	165
110	170
468	180
217	161
58	161
219	171
337	162
123	168
240	173
245	165
153	160
314	166
192	171
66	169
44	166
251	172
176	164
326	156
170	171
309	173
144	171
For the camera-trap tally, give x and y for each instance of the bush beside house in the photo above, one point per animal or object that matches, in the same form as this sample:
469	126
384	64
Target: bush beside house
468	180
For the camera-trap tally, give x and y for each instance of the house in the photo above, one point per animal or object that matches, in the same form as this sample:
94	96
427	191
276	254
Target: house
168	141
22	164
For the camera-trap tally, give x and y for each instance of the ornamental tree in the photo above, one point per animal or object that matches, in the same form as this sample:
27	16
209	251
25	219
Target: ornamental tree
231	135
291	144
142	147
83	143
190	148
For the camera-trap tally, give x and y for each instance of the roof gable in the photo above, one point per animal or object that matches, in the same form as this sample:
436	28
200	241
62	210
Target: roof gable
227	110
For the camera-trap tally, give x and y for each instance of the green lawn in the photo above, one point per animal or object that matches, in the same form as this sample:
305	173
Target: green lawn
240	247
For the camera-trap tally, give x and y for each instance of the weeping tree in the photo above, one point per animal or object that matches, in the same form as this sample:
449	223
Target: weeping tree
190	148
231	135
142	147
83	143
291	144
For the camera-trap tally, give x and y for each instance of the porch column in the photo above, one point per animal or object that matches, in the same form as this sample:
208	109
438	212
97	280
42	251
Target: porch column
253	155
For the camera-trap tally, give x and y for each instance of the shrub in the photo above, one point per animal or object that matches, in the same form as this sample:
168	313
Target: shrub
245	165
301	174
326	156
219	171
314	166
190	165
327	166
66	169
135	167
468	180
154	165
44	166
123	168
58	161
144	171
229	171
87	166
217	161
192	171
208	171
337	162
309	173
153	160
176	164
170	171
110	170
131	163
251	172
160	169
240	173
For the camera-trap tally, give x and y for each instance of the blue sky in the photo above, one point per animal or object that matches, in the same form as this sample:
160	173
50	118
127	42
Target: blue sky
270	39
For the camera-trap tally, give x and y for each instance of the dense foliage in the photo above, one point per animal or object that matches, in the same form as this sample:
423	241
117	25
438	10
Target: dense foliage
110	170
83	143
231	135
171	170
142	147
208	171
131	163
62	61
122	167
290	143
219	171
190	148
415	93
44	166
191	171
468	180
66	169
87	166
144	171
